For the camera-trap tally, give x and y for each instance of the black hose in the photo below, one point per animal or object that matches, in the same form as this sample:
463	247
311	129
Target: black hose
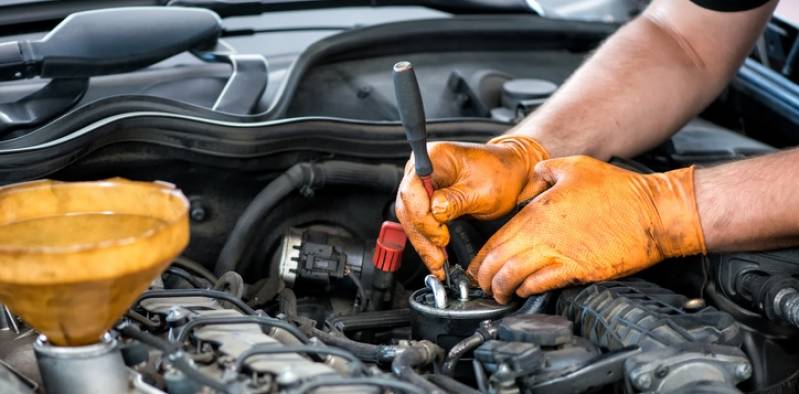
185	275
260	320
465	346
380	382
141	319
175	357
450	384
193	266
267	348
215	294
533	304
364	351
310	175
414	356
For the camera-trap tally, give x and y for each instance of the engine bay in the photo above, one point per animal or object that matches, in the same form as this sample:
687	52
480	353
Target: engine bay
298	279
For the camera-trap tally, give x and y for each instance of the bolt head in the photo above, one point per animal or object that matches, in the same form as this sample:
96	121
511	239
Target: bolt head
643	382
743	371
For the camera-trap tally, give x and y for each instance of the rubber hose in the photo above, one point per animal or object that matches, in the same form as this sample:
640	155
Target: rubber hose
364	351
465	346
450	384
412	357
312	175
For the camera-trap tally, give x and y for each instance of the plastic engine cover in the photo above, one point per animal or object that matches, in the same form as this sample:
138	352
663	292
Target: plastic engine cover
617	314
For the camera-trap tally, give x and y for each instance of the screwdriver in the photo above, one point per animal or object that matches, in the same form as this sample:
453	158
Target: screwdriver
411	110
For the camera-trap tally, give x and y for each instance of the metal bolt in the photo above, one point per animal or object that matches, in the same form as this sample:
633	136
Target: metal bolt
743	371
661	371
643	381
197	213
693	304
287	378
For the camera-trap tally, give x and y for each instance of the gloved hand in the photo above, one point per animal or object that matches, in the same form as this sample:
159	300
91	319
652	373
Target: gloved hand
482	180
596	222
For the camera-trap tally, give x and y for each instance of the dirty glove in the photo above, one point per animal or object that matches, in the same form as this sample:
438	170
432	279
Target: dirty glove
482	180
596	222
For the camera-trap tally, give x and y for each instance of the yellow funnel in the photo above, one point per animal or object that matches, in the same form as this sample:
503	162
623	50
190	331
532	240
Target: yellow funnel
75	255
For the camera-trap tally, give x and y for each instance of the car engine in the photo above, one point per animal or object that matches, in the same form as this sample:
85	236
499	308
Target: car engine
299	279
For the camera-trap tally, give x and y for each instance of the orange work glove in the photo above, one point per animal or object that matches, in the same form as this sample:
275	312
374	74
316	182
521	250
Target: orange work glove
596	222
482	180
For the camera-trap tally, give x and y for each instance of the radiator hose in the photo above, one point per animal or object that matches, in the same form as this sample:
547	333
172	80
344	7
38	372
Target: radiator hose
383	177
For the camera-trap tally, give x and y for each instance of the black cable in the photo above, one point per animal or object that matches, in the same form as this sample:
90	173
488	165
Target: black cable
267	348
364	351
141	319
185	275
380	382
260	320
361	292
174	355
466	345
193	266
413	356
450	384
215	294
480	376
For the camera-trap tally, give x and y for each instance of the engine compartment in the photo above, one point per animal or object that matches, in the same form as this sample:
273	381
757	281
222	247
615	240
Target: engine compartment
295	279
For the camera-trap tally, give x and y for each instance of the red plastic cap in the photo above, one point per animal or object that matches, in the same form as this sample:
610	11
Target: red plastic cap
389	246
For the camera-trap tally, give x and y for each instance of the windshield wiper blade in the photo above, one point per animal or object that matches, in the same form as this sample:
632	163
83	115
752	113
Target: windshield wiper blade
226	8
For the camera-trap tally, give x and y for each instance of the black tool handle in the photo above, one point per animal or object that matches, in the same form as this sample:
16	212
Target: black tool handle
411	109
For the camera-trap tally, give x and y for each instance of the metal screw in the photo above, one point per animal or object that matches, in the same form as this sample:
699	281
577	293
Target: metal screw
743	371
197	212
661	371
643	381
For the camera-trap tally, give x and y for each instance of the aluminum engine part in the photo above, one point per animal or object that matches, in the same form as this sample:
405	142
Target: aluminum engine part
458	320
679	346
232	340
91	369
671	369
623	313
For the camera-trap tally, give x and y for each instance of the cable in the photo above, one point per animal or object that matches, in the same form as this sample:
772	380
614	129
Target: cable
141	319
215	294
480	376
195	267
466	345
175	356
416	355
380	382
361	293
185	275
261	320
364	351
263	348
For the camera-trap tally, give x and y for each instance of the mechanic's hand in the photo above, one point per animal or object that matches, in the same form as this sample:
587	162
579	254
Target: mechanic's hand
482	180
596	222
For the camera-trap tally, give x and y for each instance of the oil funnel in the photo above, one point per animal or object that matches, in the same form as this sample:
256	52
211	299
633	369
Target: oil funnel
75	255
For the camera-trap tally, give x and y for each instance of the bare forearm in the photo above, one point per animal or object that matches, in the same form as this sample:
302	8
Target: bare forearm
646	81
750	204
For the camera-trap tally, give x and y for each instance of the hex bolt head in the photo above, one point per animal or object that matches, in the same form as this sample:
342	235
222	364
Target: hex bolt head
643	381
197	211
661	371
743	371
